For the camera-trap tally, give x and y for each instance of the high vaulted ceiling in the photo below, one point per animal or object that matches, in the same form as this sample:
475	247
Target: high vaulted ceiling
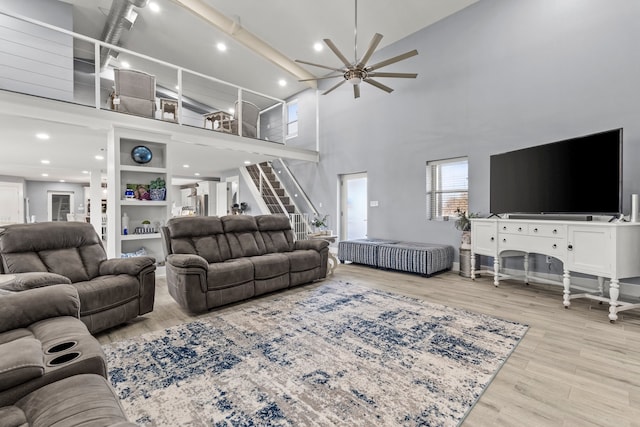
280	30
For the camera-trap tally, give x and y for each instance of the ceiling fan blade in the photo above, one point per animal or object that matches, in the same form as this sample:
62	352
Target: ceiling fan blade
339	54
334	87
378	85
318	65
392	60
372	48
356	91
321	78
401	75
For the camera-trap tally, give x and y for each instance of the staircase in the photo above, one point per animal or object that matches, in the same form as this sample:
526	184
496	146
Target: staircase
275	197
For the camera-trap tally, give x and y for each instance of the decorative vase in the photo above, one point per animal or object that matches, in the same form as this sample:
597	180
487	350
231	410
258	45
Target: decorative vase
465	242
157	194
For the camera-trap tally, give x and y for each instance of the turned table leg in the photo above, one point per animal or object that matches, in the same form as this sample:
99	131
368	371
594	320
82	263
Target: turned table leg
566	283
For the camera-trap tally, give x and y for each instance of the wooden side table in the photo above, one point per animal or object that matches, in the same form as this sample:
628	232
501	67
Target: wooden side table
220	121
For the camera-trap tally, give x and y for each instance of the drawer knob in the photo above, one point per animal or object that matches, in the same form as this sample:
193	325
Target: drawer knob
570	247
519	228
504	227
555	231
504	240
535	230
492	239
554	246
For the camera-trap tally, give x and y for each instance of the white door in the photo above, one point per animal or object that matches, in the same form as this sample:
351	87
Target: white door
59	204
11	203
221	198
353	206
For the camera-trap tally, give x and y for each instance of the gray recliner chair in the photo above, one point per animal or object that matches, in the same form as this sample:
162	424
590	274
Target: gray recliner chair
111	291
135	92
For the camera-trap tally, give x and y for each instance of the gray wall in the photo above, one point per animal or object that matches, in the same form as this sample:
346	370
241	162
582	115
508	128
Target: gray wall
500	75
36	192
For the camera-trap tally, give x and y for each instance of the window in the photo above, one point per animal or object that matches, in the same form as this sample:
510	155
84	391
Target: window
447	187
292	119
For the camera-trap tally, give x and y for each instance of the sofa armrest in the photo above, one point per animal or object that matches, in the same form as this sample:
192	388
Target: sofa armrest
24	281
131	266
21	309
21	360
187	261
316	244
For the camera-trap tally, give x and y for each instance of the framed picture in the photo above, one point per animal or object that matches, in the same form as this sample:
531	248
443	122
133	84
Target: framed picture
140	191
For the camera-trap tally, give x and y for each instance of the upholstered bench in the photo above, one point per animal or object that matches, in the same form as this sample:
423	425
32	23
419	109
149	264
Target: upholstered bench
421	258
412	257
361	251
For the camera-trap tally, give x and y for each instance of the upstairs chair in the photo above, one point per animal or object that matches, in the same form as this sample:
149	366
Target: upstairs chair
250	114
135	92
111	291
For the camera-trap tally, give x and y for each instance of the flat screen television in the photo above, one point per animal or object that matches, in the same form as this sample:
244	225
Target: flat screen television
580	175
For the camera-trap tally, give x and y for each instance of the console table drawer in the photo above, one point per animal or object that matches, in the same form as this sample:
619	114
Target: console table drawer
548	246
513	228
547	230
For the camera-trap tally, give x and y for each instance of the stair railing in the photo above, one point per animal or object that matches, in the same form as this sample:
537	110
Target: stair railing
263	183
290	180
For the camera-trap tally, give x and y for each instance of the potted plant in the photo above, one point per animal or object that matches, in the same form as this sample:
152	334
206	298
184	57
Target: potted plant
146	224
320	223
463	223
158	189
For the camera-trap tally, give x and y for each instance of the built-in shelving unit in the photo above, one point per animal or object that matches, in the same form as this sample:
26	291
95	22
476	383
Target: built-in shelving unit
123	172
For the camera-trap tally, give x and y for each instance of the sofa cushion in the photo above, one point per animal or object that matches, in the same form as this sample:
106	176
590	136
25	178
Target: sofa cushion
72	249
243	236
270	265
302	260
20	361
230	273
203	236
24	281
80	400
105	292
276	232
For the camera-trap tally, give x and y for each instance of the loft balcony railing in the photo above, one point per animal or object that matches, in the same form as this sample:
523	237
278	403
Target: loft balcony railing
47	61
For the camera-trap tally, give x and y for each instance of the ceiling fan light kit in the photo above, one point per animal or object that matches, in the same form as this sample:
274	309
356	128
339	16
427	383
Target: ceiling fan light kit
358	71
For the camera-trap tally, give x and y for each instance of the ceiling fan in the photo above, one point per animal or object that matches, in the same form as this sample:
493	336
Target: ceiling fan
358	71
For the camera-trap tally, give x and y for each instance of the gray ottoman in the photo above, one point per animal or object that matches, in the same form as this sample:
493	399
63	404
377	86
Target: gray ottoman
421	258
361	251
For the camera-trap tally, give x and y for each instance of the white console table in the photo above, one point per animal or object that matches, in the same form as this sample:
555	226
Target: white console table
602	249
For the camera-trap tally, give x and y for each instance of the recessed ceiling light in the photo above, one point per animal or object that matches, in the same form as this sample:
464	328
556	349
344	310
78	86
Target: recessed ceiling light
99	157
62	180
197	174
154	7
232	111
177	87
247	162
282	82
45	174
318	47
42	135
185	166
45	162
85	171
125	64
221	47
104	191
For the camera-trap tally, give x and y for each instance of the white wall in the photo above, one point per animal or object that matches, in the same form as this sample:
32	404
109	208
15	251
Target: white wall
41	62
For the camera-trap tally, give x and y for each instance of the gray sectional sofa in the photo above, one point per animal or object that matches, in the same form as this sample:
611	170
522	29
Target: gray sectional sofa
213	261
52	370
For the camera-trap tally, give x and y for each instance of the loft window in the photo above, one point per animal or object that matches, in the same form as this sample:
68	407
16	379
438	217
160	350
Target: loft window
447	187
292	119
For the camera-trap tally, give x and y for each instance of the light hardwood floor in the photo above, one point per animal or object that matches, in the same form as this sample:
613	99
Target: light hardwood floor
573	367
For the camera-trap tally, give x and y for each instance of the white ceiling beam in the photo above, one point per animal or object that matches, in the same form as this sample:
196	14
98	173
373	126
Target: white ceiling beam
256	44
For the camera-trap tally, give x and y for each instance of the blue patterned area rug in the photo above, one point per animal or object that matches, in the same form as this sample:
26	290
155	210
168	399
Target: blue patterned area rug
334	354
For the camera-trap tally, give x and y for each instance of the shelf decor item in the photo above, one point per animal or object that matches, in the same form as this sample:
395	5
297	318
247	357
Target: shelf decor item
158	189
141	154
463	224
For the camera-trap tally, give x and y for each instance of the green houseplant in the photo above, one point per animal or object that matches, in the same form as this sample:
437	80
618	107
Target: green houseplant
463	223
158	189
